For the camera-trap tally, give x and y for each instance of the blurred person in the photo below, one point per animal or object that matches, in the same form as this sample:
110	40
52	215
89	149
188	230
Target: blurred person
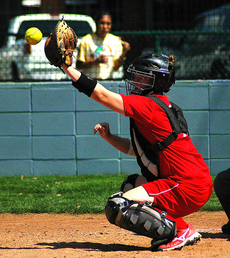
222	189
101	54
174	181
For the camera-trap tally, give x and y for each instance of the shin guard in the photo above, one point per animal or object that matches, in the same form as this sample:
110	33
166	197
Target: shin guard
141	218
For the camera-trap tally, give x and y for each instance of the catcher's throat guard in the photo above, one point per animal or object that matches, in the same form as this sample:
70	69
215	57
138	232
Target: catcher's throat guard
141	218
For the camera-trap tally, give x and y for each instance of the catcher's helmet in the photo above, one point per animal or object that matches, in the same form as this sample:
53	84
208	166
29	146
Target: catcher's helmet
154	66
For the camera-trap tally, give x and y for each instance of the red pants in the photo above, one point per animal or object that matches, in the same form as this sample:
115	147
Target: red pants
178	199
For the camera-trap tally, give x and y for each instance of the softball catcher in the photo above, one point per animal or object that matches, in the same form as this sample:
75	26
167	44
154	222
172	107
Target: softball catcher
174	179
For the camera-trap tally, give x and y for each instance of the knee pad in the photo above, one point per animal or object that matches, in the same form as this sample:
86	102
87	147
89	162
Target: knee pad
140	218
131	179
113	206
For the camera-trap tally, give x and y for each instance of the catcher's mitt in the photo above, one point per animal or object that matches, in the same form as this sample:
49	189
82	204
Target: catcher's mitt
61	44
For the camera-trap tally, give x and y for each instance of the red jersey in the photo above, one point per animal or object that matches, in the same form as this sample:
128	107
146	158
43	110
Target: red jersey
180	161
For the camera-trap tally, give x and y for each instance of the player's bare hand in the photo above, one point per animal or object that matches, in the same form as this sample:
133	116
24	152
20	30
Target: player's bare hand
103	129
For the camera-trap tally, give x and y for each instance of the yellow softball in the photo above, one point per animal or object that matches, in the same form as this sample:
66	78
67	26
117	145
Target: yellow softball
33	36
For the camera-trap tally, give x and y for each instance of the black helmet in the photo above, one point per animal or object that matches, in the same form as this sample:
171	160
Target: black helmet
154	66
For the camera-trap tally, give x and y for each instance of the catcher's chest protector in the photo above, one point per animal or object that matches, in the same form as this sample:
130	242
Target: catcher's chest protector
178	123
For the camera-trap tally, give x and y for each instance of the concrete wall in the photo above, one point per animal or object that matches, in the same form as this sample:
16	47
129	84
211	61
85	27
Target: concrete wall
47	128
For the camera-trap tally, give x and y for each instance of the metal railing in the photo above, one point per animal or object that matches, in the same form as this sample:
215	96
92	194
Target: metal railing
199	54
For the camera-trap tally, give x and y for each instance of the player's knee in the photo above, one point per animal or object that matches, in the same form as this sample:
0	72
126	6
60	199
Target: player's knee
113	206
129	183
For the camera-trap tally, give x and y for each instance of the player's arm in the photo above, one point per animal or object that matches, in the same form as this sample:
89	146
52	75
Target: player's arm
122	144
95	90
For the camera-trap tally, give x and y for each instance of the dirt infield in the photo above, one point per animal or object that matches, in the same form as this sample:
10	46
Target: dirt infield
64	235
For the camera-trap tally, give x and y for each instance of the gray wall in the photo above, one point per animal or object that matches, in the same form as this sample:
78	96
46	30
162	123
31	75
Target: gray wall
47	128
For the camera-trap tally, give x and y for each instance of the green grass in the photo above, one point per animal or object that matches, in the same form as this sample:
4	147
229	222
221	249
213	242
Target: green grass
65	194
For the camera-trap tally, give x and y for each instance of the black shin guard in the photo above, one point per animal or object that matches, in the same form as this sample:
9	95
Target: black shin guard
140	218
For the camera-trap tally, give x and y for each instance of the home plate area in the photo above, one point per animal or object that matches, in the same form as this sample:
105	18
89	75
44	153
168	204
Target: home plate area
91	235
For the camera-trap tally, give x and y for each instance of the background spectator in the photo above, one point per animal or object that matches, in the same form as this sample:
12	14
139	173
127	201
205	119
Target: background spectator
102	53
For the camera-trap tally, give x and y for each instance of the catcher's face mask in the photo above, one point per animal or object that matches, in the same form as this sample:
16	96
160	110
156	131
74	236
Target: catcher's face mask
139	83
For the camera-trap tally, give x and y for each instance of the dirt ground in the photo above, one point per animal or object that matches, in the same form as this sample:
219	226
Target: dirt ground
66	236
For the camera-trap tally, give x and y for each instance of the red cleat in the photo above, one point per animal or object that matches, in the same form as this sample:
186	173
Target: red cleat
184	237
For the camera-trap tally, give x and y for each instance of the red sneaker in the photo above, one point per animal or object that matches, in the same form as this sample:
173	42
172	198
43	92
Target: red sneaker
184	237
